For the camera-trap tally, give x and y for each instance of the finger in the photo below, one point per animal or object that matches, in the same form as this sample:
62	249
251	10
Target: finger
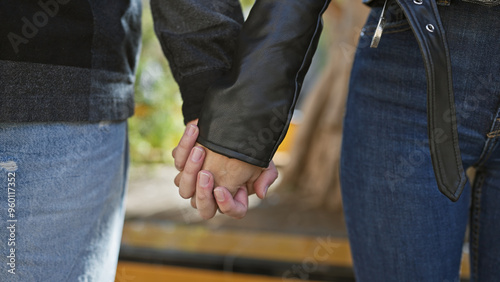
177	179
173	152
194	121
187	142
234	207
189	176
266	178
193	201
205	202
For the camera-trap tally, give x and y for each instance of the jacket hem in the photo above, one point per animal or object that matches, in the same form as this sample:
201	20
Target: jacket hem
231	153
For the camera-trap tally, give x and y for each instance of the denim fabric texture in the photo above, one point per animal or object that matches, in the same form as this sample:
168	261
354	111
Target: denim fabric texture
401	228
62	218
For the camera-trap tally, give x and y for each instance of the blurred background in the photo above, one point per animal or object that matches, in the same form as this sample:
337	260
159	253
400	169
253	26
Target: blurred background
296	233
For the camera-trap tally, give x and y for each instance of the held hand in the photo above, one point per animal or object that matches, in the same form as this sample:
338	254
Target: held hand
207	205
232	179
234	174
198	185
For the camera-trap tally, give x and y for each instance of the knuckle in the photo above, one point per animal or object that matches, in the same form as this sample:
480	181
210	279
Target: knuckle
184	144
185	193
193	167
178	165
190	169
177	179
205	215
201	197
224	209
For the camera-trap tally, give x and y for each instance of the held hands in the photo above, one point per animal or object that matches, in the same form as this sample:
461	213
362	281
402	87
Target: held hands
201	170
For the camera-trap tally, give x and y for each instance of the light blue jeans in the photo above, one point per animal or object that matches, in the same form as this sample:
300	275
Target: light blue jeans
62	189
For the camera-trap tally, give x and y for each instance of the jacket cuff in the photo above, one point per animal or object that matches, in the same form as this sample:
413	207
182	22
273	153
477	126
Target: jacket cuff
232	153
247	112
193	89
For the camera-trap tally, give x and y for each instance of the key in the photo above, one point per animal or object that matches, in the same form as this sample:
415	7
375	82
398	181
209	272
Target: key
380	28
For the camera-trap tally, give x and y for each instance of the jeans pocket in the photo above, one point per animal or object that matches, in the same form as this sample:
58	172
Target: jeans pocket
395	19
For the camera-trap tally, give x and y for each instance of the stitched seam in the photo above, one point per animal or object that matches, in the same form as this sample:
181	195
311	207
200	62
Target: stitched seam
484	154
475	224
296	92
454	129
490	151
493	134
431	82
218	149
490	143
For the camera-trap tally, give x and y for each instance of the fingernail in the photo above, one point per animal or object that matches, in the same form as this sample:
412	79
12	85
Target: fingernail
190	130
197	153
219	195
265	191
204	179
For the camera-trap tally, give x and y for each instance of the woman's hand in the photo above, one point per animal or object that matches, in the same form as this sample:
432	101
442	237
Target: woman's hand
200	170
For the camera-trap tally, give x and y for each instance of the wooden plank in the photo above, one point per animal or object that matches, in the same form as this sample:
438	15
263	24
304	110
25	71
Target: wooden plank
248	244
260	245
128	271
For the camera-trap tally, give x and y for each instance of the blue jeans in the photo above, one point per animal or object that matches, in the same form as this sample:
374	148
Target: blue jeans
400	227
62	187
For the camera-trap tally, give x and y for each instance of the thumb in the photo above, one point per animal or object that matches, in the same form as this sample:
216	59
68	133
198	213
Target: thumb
234	207
265	179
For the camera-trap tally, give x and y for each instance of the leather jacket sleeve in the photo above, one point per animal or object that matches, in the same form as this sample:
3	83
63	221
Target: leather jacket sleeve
246	114
198	37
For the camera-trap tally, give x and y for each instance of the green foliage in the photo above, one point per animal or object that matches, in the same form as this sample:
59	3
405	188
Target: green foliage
157	125
247	3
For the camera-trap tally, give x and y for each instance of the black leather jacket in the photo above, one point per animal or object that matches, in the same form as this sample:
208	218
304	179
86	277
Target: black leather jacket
247	113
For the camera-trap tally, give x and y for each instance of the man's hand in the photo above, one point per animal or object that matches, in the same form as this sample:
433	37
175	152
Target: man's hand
234	181
202	169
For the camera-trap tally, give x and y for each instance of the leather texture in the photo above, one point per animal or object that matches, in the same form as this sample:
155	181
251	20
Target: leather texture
441	119
246	114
